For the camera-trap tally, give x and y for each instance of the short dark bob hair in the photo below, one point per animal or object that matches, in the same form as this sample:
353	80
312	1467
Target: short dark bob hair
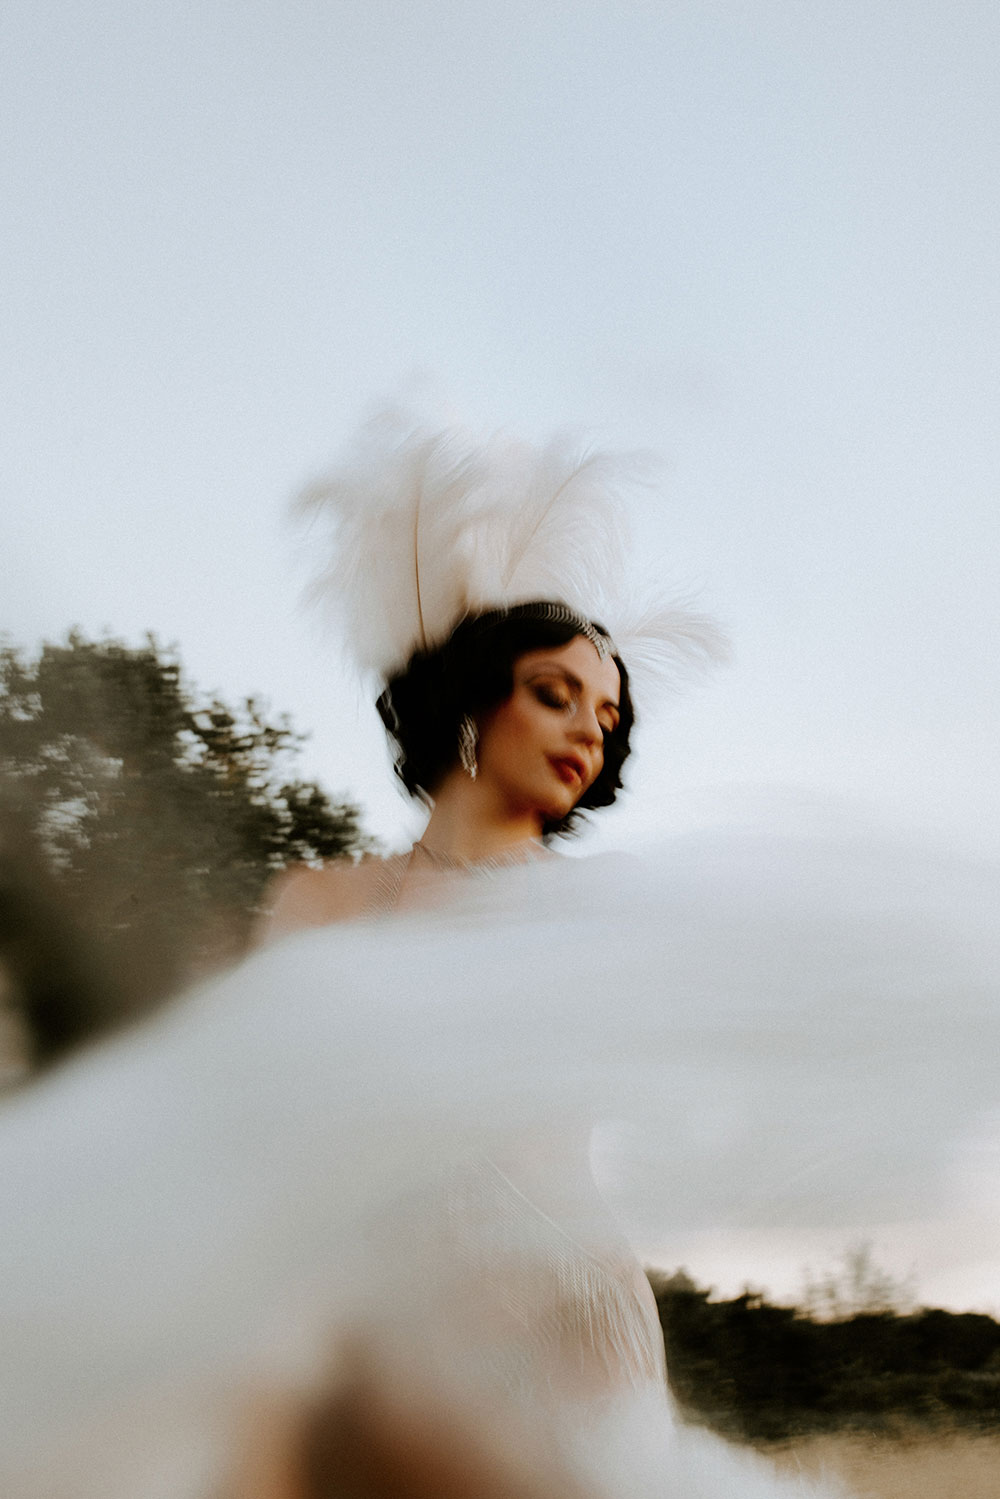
472	673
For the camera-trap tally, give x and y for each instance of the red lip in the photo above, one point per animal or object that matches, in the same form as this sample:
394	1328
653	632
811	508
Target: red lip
568	768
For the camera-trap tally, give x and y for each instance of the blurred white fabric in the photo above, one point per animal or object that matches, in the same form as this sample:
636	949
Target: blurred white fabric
804	1029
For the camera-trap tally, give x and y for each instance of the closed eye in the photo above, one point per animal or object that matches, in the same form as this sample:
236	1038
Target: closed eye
562	693
553	698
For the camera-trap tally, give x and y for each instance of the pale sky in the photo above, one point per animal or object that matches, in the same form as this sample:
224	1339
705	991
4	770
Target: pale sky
759	239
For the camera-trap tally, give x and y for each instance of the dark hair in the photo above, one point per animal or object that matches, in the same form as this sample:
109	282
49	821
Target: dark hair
473	672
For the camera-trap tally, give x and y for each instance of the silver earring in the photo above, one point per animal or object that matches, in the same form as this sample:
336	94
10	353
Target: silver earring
468	738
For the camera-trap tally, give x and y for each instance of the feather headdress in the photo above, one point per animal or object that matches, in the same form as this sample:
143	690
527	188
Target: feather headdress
426	528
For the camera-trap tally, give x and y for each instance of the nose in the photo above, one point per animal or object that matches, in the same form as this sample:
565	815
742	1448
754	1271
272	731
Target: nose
586	728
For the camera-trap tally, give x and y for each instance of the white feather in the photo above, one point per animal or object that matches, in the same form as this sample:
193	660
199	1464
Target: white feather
395	511
424	527
663	644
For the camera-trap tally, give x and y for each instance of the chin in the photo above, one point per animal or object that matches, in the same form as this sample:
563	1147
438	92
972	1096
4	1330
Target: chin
558	810
552	804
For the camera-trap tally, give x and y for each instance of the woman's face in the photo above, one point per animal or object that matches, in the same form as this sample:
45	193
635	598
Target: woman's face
544	747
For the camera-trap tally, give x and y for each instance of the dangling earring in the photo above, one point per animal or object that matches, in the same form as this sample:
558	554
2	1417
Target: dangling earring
468	738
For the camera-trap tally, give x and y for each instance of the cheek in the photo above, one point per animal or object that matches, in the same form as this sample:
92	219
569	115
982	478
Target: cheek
517	737
512	733
528	721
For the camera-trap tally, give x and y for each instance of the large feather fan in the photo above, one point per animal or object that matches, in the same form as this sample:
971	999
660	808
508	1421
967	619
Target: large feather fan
425	527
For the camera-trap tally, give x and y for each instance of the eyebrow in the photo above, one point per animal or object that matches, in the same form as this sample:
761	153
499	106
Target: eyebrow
551	668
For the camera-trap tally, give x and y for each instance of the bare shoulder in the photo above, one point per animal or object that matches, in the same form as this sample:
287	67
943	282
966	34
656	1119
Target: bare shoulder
303	896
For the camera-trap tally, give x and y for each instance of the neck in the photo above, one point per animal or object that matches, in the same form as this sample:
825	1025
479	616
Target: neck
468	824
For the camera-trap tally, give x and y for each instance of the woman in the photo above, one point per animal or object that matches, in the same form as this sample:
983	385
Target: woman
464	580
527	1334
512	728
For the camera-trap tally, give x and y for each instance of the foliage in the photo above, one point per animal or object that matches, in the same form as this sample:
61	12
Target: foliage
145	819
755	1370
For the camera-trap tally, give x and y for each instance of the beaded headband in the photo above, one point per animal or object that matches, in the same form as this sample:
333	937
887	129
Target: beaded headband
562	614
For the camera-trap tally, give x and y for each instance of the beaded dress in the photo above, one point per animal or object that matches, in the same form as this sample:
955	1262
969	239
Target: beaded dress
345	1139
528	1302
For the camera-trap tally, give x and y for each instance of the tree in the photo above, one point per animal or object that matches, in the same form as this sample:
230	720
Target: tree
859	1287
144	819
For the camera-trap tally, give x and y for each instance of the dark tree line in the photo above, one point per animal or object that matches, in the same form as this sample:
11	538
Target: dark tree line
141	824
762	1372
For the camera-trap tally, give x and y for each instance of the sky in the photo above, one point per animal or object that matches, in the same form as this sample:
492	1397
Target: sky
756	239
